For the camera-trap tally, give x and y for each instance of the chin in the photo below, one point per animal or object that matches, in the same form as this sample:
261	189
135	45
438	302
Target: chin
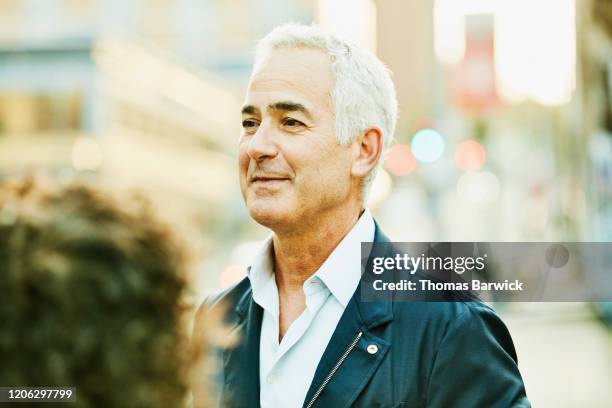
268	213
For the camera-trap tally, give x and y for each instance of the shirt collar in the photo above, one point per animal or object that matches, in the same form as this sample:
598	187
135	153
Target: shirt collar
340	272
261	275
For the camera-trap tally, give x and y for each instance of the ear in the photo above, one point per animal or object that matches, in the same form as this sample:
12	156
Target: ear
368	150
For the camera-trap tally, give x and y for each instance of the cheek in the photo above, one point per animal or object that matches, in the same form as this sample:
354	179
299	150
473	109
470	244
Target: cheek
340	166
243	159
243	167
329	171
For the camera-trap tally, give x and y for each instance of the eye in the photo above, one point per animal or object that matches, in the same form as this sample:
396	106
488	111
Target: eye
249	125
292	123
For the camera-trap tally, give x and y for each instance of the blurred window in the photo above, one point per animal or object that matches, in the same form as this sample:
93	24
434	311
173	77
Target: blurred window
79	12
32	113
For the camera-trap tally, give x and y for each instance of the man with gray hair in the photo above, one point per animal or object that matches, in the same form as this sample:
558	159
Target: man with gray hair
318	115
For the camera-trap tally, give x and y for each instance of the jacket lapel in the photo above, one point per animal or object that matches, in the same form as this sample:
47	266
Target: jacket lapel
351	376
241	363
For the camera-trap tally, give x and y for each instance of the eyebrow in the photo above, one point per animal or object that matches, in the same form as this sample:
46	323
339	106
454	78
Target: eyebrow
285	106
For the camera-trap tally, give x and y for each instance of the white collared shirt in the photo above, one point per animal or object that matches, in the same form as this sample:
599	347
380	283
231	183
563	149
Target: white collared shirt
286	369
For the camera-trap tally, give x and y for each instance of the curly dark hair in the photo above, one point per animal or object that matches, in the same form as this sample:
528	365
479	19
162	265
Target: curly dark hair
91	292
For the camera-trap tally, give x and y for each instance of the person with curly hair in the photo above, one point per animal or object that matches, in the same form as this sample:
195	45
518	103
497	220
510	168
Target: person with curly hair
92	297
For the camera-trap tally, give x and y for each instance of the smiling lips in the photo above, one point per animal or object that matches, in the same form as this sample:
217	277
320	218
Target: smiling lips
265	179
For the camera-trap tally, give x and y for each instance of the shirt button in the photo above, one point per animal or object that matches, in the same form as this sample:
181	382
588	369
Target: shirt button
271	379
372	349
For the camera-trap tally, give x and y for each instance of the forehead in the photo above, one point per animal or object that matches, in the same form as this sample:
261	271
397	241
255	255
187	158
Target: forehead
300	75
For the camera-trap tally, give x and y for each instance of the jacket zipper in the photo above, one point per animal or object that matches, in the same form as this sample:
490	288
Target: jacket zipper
334	369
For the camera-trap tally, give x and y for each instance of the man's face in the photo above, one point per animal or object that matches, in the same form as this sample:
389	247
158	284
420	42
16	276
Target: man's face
292	168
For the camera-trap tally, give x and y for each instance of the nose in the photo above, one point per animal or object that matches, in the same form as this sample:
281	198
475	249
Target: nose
261	146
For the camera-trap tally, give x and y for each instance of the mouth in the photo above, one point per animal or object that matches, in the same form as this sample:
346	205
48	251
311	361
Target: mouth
267	179
268	183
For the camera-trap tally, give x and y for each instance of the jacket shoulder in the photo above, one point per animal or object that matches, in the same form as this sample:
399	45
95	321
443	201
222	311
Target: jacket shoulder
443	312
474	340
227	298
443	319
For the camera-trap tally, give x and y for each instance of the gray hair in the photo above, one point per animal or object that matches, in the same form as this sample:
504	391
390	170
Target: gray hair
364	94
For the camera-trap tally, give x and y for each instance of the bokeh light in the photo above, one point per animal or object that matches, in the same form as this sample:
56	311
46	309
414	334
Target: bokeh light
237	262
478	187
86	154
230	275
522	68
427	145
449	31
470	156
400	160
354	20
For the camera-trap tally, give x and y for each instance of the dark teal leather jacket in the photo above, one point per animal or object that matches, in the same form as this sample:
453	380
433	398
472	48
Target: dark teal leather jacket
429	354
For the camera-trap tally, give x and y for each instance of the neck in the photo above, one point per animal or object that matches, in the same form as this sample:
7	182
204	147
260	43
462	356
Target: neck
298	255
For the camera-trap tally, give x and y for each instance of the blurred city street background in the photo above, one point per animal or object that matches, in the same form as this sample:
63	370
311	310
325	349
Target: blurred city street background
505	131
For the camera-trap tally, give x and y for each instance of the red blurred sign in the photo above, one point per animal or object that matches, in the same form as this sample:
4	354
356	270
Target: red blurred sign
473	80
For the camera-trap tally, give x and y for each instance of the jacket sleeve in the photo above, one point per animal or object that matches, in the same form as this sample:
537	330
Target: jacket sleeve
476	364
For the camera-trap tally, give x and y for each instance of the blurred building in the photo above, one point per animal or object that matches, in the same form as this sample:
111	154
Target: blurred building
131	93
595	52
501	85
137	94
